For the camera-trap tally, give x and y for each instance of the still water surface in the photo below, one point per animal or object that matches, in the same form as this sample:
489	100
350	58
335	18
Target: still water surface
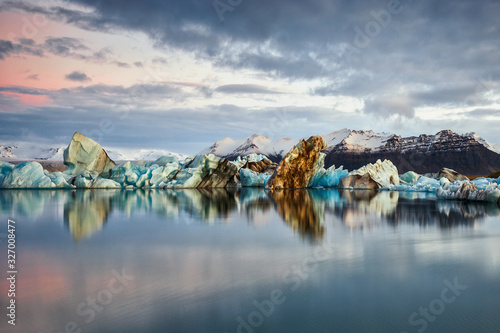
247	261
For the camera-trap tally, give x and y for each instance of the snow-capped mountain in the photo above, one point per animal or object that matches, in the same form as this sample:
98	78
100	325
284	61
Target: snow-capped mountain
27	151
31	151
6	152
467	153
496	148
257	144
118	154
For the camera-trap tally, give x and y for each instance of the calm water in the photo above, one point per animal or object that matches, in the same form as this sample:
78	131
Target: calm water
246	261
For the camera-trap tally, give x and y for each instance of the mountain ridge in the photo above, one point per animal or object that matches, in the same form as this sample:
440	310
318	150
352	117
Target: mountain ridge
25	151
467	153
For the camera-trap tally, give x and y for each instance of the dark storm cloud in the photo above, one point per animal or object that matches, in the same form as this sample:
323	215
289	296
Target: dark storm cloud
245	89
78	77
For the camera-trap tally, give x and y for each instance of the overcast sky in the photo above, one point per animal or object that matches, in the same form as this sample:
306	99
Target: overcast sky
180	75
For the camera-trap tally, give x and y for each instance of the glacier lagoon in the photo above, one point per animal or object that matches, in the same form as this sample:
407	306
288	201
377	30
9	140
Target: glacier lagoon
251	261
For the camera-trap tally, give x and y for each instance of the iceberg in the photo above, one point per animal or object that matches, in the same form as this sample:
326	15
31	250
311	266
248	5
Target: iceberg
130	174
84	155
192	173
249	178
328	178
423	184
26	175
84	182
372	176
409	177
241	161
468	191
161	175
299	165
59	179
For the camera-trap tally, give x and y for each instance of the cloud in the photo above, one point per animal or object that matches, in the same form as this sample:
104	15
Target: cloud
245	89
33	77
78	77
438	54
121	64
6	48
159	60
65	46
387	106
483	112
24	90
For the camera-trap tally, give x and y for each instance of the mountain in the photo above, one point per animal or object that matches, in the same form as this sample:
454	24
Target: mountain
6	152
141	154
466	153
258	144
28	151
496	148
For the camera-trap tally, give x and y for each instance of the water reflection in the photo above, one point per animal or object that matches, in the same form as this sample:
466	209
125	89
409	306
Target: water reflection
85	212
301	211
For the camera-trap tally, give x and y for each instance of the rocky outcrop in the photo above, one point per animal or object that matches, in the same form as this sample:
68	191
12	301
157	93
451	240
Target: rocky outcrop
85	156
372	176
450	174
299	165
494	175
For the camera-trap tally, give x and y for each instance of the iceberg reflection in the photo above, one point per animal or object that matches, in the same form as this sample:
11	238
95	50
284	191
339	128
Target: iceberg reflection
85	212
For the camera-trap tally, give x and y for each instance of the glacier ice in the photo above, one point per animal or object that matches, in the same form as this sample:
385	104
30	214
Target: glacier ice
423	184
26	175
468	191
84	182
192	173
250	178
409	177
372	176
328	178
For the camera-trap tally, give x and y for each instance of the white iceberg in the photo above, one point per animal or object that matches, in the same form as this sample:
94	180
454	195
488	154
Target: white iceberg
84	182
468	191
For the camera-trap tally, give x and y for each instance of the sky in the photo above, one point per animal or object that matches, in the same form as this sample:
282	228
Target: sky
179	75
